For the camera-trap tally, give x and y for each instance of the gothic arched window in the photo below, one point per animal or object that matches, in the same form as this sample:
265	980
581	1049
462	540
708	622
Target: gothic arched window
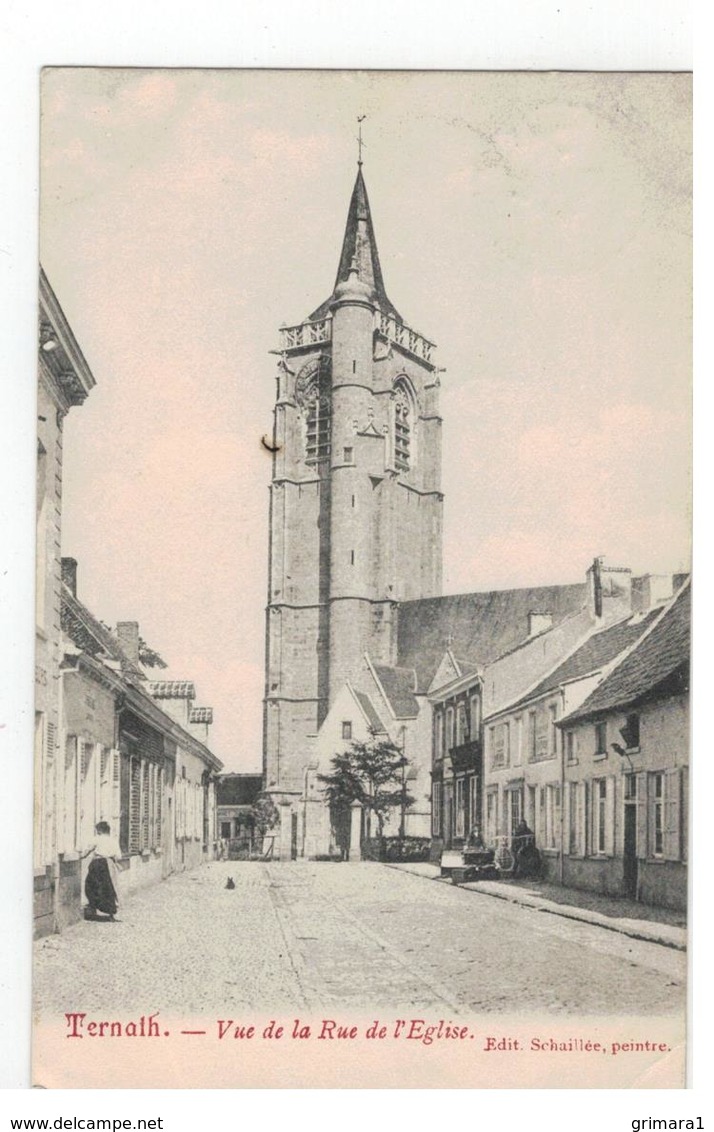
313	396
403	427
317	440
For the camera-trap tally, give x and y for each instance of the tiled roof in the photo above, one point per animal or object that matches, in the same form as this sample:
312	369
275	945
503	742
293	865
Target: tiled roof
201	715
482	626
88	633
369	710
399	685
173	690
661	658
238	789
599	649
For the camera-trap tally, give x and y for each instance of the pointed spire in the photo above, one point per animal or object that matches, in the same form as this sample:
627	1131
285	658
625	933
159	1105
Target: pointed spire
360	247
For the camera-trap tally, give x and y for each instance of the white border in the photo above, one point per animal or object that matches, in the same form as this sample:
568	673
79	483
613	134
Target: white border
476	34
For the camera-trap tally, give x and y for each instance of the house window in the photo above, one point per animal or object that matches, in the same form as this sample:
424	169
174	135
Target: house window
573	816
348	454
657	795
491	816
600	738
438	735
159	803
226	830
552	815
347	729
317	439
449	728
475	715
517	745
553	731
135	807
571	749
461	725
436	809
515	810
532	736
631	731
498	745
473	802
602	816
459	807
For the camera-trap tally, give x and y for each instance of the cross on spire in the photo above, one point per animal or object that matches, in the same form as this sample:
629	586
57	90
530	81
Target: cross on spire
360	143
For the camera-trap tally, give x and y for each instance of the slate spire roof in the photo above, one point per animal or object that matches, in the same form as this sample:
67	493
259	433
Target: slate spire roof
359	246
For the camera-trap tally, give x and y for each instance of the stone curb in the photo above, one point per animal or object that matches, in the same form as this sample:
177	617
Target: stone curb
646	930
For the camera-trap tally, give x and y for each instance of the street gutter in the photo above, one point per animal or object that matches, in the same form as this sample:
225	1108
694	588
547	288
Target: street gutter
646	930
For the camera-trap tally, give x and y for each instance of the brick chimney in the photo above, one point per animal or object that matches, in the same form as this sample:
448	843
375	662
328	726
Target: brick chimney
69	574
609	590
128	636
199	722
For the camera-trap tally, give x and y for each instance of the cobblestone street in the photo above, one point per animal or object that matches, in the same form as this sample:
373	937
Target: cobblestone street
317	935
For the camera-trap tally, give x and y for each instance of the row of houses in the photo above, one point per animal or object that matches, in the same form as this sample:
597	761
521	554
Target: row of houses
585	739
111	744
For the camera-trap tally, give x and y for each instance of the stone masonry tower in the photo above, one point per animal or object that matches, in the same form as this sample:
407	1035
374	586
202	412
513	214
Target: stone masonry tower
355	498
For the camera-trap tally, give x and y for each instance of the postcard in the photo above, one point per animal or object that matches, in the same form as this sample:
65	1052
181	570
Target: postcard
363	579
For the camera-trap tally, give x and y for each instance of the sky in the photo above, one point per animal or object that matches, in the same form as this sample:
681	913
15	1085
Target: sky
535	225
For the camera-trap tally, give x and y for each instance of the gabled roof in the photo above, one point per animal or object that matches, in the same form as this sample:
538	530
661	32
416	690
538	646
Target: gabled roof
481	626
598	650
370	712
360	245
658	664
88	634
97	643
398	685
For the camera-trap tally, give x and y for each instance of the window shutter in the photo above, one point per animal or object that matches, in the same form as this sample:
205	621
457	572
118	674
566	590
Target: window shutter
642	811
135	807
566	819
115	804
79	766
159	805
610	816
582	819
672	788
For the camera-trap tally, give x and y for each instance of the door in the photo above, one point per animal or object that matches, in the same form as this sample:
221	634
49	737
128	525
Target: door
293	836
630	837
448	814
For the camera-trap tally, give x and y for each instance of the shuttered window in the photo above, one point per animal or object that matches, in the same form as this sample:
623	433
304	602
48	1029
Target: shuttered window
603	816
684	813
135	807
657	814
672	833
159	805
642	816
436	810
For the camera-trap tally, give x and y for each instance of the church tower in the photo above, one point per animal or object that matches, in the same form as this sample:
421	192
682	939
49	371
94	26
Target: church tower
355	498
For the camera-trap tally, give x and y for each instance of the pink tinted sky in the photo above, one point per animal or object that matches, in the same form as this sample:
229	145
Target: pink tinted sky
537	226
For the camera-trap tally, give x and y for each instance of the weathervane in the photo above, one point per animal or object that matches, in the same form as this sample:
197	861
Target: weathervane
360	143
